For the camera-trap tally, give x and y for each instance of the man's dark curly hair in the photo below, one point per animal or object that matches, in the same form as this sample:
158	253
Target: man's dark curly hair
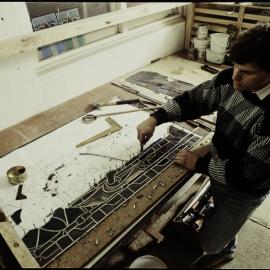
253	46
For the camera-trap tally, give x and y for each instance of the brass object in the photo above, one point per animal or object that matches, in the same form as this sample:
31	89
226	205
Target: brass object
16	175
114	128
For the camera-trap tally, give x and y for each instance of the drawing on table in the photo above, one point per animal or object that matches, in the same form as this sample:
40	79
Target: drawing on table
159	83
64	214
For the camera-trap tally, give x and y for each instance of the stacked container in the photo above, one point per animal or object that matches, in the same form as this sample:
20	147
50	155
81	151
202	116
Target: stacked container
218	46
201	41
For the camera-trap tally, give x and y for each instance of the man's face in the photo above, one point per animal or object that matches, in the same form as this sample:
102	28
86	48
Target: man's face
249	77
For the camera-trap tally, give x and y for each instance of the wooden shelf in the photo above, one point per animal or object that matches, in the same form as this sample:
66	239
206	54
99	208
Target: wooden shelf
219	16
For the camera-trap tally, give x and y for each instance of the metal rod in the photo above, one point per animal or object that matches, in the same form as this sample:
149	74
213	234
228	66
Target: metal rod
100	155
129	111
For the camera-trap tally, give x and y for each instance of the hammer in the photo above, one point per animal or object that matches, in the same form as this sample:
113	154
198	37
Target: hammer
127	101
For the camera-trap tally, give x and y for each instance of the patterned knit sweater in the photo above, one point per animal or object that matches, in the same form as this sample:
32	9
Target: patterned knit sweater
240	149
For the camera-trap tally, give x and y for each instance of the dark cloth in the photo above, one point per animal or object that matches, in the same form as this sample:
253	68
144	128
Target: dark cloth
240	149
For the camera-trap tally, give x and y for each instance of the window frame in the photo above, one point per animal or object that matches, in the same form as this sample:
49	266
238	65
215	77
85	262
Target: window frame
48	36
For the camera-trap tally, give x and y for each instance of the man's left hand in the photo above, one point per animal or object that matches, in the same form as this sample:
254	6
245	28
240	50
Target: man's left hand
186	159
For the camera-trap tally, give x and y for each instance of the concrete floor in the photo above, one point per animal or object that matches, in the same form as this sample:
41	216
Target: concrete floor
180	246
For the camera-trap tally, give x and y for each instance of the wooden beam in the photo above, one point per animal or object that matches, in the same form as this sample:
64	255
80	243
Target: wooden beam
240	18
222	3
247	4
247	25
189	13
17	246
216	12
213	20
257	17
51	35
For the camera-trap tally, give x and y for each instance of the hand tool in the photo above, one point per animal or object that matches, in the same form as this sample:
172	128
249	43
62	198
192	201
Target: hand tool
209	69
114	127
90	117
100	155
196	124
141	147
127	101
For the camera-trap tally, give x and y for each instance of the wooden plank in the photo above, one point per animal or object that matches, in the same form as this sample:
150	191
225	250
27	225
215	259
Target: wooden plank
246	4
254	7
213	20
216	12
231	4
257	17
240	18
189	10
41	38
17	247
247	25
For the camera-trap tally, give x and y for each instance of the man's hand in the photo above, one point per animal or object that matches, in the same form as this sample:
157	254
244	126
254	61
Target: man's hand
146	129
186	159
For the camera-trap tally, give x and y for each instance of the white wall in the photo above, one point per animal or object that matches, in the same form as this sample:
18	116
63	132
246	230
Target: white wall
24	92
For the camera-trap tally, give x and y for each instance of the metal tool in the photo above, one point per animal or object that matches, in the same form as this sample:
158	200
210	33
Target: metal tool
196	124
127	101
100	155
90	117
114	127
209	69
141	148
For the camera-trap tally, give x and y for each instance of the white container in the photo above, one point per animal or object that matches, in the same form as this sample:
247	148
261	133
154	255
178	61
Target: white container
148	261
201	44
219	42
202	32
213	57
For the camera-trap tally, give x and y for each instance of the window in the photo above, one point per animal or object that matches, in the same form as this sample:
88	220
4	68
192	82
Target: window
45	15
49	14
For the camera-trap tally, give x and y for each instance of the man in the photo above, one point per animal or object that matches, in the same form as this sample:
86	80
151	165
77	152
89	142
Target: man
239	159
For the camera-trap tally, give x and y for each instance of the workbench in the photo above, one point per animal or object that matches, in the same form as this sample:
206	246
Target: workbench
57	128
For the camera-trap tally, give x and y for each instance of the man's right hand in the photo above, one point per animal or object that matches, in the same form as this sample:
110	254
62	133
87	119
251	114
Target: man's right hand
146	129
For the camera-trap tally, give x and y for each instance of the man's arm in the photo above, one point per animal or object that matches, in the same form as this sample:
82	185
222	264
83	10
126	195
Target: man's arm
201	100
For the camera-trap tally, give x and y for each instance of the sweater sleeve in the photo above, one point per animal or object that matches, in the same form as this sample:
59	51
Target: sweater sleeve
201	100
253	172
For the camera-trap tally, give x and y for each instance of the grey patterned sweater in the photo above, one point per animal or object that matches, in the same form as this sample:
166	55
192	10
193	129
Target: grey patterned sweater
240	149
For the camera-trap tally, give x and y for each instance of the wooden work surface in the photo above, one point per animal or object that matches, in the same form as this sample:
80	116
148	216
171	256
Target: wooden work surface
88	247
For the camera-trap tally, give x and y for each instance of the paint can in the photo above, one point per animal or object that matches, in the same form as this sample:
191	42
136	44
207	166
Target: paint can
201	44
214	57
16	175
148	261
219	42
202	31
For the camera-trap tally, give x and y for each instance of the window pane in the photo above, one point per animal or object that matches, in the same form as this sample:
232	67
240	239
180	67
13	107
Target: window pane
86	9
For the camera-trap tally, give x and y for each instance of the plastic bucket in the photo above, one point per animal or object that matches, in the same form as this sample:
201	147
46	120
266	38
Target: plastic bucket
219	42
201	44
214	57
148	261
202	32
